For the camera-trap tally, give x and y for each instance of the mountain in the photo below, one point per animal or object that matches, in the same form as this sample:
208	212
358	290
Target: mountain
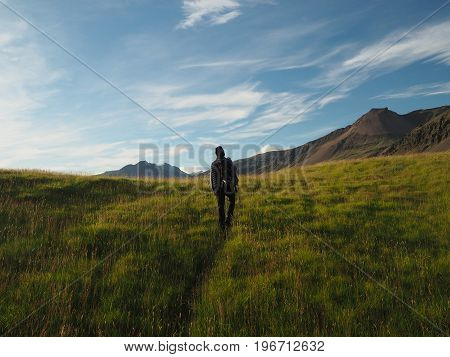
378	132
145	169
432	135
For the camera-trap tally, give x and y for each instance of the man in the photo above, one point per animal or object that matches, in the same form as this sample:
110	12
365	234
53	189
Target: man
224	182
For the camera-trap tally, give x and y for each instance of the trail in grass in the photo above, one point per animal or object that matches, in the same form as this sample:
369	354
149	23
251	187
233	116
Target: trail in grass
253	275
202	280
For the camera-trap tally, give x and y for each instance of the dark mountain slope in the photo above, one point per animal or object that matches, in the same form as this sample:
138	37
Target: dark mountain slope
369	135
375	133
432	135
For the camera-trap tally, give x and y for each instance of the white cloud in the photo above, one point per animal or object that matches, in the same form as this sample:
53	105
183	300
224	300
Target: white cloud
275	110
223	19
212	11
428	89
192	169
239	96
272	50
331	98
239	112
429	43
178	109
432	41
223	63
269	148
305	59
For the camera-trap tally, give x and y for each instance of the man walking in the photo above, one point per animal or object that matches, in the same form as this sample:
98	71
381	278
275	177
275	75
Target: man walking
224	182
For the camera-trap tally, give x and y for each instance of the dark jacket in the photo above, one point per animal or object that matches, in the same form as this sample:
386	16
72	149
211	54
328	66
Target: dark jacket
224	176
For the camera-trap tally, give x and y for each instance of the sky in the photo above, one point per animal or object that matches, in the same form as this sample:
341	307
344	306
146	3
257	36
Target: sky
168	80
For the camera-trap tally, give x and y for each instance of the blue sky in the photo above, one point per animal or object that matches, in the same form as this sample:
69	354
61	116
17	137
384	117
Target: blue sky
228	72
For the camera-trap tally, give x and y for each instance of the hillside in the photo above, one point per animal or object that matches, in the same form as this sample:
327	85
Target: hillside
144	169
432	135
354	248
378	132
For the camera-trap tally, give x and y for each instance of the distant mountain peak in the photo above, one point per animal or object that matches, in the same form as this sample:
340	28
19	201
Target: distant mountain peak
383	122
146	169
385	109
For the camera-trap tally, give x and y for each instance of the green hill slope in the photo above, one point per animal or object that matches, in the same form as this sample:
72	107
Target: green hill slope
350	248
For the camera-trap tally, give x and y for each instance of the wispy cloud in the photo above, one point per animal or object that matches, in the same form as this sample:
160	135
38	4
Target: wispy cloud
223	19
210	11
274	110
272	50
223	63
430	43
269	148
428	89
330	99
296	61
214	12
180	109
242	111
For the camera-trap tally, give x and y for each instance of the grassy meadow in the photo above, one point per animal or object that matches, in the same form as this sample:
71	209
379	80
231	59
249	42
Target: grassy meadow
351	248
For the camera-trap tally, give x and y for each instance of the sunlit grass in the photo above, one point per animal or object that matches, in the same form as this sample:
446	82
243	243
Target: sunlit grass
110	257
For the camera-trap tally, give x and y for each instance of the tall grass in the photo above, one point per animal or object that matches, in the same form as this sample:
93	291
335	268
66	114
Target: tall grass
359	248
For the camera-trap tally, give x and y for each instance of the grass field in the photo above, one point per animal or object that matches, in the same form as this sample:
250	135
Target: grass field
357	248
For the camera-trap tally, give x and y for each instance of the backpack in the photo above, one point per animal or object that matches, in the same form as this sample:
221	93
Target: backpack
228	176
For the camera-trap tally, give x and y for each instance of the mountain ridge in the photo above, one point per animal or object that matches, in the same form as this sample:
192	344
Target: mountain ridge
376	133
145	169
379	132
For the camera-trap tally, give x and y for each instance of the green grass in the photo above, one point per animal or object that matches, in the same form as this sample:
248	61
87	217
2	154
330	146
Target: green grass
359	248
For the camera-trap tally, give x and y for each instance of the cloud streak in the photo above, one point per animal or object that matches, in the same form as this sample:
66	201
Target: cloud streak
180	109
430	43
429	89
242	111
215	12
